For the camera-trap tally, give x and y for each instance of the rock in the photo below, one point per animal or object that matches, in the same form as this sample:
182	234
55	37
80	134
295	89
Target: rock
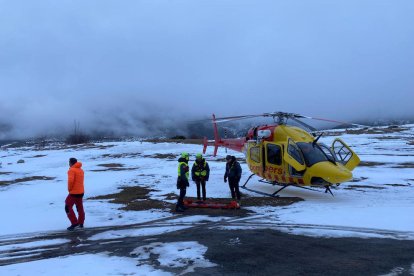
20	161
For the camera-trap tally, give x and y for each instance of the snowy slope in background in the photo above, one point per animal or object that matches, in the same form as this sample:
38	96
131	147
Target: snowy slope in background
39	205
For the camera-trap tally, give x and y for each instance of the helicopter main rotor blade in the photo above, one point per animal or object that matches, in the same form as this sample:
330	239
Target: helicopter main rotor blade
278	114
227	119
333	121
236	118
294	115
239	117
304	124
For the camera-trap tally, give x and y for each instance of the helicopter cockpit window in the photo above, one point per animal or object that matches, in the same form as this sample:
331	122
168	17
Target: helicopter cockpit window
327	151
295	153
341	152
274	154
313	153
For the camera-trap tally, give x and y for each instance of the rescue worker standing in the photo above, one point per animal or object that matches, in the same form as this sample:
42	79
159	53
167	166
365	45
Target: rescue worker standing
233	174
76	192
182	180
200	173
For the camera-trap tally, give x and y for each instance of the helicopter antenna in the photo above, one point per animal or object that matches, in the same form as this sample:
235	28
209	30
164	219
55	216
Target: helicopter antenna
316	140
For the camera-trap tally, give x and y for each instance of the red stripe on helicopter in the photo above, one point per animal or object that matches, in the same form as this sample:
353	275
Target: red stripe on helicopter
269	176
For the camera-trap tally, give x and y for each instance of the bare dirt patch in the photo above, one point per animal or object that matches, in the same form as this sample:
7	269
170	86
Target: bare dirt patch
120	155
360	179
375	130
354	187
114	167
246	201
38	156
25	179
87	146
147	175
170	196
178	141
404	166
385	138
399	185
62	146
5	173
137	199
333	133
371	164
169	156
162	156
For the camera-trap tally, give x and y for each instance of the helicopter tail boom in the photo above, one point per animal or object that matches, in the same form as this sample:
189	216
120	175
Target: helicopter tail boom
234	144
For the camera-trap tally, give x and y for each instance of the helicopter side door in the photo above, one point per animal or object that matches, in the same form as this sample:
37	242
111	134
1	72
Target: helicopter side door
344	154
255	158
273	160
293	156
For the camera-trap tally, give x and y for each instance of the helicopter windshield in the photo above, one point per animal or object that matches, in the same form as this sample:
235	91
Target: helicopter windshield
312	153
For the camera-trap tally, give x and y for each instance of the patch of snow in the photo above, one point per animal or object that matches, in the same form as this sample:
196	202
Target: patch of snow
88	264
395	272
149	231
189	255
33	244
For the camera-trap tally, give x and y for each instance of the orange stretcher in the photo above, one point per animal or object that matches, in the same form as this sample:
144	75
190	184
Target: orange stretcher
212	205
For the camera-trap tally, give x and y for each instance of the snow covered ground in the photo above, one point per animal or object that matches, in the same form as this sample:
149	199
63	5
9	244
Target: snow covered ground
379	204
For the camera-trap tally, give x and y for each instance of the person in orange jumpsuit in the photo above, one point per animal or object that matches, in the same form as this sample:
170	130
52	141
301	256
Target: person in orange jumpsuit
76	191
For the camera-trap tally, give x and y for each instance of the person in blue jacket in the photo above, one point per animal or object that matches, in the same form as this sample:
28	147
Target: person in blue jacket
233	174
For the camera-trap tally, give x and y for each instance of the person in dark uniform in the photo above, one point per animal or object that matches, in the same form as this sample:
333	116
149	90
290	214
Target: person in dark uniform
200	173
182	180
233	174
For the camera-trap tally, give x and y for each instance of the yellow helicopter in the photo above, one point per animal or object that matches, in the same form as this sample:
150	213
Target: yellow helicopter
287	155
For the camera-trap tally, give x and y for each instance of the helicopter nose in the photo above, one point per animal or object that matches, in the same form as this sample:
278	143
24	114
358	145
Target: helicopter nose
332	173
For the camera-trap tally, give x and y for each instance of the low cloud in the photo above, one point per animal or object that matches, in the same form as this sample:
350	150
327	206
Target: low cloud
143	68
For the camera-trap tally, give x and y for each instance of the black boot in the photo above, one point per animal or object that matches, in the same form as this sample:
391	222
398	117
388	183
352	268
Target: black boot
72	227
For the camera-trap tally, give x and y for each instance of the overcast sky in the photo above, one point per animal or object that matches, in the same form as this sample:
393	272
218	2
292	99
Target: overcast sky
111	64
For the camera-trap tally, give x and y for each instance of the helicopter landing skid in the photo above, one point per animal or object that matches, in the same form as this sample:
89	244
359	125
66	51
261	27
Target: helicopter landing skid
259	192
275	194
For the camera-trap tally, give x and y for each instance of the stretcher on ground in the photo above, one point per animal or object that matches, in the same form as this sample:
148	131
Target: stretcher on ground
212	205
